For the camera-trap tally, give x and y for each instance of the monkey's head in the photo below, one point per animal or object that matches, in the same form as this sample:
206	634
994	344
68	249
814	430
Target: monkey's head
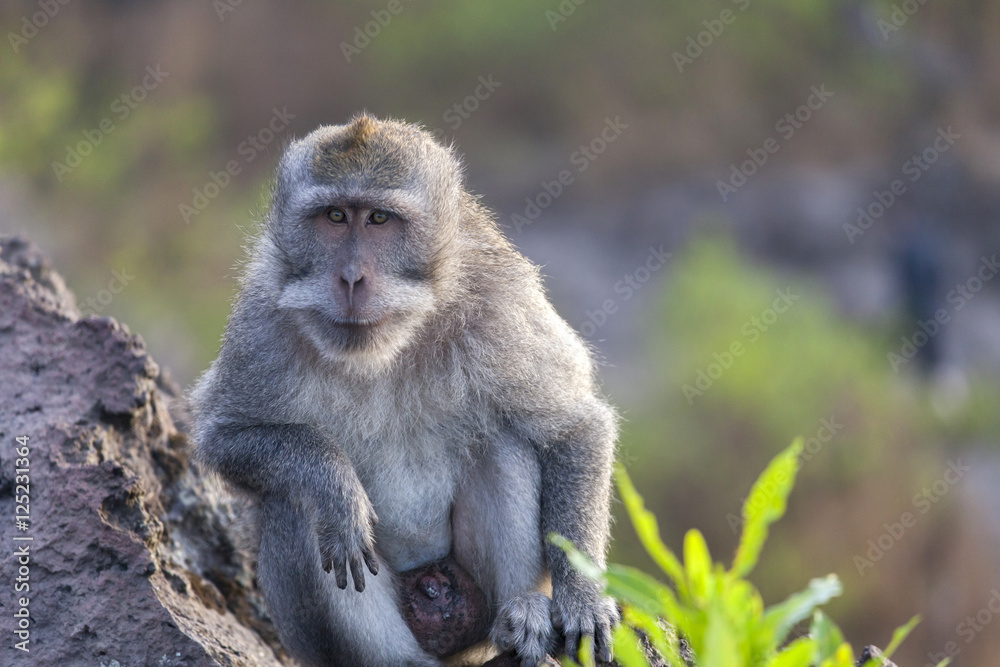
361	235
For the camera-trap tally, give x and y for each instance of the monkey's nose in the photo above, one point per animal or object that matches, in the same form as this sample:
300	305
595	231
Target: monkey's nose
354	287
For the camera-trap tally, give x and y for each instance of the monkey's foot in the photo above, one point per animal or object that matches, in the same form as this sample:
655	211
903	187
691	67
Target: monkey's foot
443	607
524	626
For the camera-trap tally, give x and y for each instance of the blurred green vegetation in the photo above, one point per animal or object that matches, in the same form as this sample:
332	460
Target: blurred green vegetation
811	374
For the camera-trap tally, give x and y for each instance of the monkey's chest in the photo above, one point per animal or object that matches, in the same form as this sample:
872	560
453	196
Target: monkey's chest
412	489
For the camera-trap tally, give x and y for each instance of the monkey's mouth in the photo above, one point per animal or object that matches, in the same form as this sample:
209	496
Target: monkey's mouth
349	333
356	323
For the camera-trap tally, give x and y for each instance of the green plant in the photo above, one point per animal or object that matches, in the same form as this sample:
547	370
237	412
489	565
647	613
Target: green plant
720	615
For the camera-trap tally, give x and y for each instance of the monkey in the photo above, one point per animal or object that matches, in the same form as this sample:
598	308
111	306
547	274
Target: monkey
394	388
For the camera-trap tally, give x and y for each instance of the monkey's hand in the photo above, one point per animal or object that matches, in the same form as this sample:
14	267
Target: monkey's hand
579	607
343	518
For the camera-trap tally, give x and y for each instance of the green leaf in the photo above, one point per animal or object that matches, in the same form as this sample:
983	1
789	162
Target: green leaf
642	591
765	505
827	635
647	529
780	618
899	635
797	654
664	640
743	605
628	650
720	647
586	651
842	657
698	563
897	638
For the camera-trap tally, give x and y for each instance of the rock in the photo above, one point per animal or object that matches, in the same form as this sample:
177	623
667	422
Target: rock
131	555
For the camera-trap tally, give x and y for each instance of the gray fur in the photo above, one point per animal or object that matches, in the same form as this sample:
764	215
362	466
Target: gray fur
469	421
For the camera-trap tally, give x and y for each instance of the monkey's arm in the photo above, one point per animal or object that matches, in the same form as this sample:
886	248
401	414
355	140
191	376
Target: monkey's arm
293	461
546	390
575	502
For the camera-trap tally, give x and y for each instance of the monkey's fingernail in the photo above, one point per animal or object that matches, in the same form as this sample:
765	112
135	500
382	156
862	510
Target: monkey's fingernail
606	654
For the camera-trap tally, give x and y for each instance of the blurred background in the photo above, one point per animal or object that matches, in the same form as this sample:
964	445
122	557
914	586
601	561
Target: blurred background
770	219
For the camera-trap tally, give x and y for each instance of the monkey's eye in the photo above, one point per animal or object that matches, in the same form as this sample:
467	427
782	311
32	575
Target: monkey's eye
379	218
336	215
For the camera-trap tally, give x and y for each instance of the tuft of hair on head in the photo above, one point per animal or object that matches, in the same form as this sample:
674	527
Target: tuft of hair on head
364	149
360	131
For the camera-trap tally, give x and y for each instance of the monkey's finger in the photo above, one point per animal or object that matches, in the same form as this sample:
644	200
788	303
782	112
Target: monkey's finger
326	555
340	570
587	629
572	643
358	573
556	616
371	561
602	642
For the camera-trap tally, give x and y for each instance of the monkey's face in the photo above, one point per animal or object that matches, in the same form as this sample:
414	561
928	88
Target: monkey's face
363	295
363	228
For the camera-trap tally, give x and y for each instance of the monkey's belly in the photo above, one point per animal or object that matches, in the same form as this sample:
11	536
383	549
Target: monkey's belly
414	528
404	550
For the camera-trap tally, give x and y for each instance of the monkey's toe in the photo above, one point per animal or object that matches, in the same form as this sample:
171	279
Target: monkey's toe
523	626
